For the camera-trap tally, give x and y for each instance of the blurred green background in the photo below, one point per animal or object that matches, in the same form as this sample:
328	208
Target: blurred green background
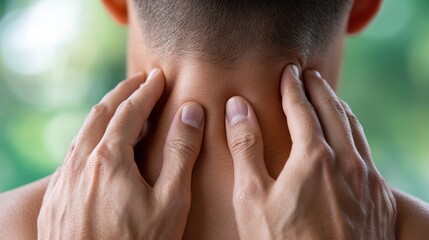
59	57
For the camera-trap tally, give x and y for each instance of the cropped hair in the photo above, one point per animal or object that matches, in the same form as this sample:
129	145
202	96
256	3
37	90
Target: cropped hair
225	31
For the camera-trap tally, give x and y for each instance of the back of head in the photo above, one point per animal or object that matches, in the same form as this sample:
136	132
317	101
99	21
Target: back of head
227	31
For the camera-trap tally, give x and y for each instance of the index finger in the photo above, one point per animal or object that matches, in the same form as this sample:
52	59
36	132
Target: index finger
127	123
302	120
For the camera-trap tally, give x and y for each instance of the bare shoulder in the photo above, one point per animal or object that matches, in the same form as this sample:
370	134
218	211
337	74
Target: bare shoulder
413	217
19	209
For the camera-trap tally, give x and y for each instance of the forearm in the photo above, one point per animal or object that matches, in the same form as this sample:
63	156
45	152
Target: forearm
413	217
19	209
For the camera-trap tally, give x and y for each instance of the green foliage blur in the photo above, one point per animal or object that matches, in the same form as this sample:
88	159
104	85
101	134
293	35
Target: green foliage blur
59	57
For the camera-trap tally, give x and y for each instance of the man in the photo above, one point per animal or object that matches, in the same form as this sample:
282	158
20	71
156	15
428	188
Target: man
210	51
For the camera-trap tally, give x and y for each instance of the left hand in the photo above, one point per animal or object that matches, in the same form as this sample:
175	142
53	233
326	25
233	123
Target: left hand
329	187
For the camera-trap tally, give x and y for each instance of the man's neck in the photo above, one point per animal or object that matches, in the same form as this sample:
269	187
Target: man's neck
212	87
211	211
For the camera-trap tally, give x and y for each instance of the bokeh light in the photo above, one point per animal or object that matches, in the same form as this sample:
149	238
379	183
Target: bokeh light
32	38
57	59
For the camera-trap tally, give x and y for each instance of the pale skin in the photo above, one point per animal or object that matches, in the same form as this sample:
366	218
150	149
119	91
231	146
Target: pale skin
329	187
333	189
211	213
108	198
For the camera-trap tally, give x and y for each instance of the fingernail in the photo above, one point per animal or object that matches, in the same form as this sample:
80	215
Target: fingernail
152	73
236	110
285	78
295	70
317	73
192	115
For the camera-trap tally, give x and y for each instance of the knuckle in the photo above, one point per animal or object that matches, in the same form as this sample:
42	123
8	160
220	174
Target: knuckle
323	151
334	104
244	141
354	122
359	168
102	155
182	148
322	156
127	105
358	165
176	196
99	110
72	166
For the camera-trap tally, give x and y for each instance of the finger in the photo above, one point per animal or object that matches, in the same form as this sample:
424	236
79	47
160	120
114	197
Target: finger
98	119
358	134
182	147
245	143
331	114
128	120
70	150
304	127
53	179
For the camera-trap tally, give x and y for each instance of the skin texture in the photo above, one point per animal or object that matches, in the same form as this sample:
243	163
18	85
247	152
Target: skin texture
98	192
329	187
211	214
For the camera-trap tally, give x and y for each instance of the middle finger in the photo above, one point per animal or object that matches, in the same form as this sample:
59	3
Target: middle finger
98	119
331	113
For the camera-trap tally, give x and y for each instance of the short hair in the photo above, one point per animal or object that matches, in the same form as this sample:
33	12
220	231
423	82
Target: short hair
226	30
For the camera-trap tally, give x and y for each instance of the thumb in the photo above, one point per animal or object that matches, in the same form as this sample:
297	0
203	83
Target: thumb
182	147
245	143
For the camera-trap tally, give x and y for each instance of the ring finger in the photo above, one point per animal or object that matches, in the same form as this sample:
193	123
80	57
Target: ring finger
331	114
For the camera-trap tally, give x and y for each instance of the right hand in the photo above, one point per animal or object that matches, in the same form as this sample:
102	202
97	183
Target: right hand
98	192
329	187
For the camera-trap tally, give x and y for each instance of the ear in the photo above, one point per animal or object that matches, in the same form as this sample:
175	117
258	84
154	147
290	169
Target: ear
363	11
117	10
